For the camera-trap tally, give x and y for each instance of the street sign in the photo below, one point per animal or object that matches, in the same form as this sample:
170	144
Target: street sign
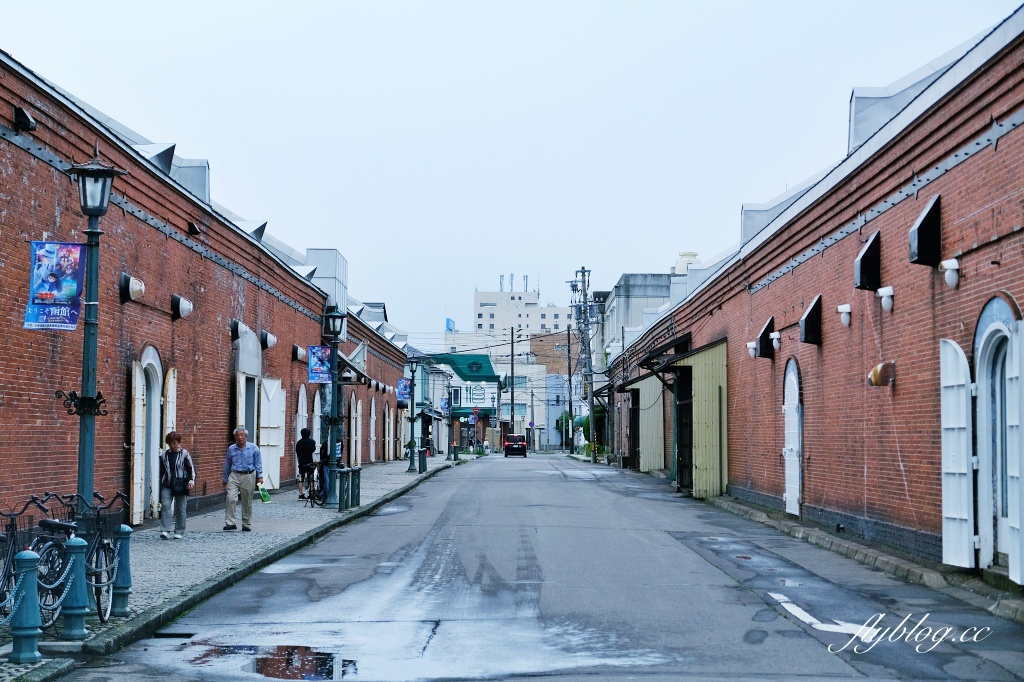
531	425
494	422
476	410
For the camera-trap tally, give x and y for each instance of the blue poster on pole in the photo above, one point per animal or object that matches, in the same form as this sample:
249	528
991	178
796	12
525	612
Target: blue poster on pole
404	388
319	364
55	292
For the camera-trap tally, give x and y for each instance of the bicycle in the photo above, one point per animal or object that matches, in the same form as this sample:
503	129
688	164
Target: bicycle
15	536
316	489
100	554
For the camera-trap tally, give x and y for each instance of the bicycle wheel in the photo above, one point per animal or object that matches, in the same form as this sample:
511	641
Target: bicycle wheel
102	579
318	493
7	580
49	571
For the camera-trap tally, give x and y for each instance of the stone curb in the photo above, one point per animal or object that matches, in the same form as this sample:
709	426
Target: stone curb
50	670
1010	609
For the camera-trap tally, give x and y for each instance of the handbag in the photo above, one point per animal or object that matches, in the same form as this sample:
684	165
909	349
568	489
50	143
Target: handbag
179	485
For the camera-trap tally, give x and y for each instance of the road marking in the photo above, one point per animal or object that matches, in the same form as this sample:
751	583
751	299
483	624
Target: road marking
863	632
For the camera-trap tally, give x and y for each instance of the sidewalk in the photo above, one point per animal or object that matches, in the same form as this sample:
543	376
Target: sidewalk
966	587
207	560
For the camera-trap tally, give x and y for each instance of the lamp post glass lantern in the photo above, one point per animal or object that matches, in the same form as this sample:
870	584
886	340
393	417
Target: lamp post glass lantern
95	180
334	322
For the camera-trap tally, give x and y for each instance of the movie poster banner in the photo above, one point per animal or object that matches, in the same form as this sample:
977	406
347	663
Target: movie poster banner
55	292
319	364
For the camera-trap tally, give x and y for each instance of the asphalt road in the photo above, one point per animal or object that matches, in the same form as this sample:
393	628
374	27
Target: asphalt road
548	568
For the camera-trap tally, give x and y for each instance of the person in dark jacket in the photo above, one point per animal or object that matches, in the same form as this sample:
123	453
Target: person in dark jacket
177	479
304	449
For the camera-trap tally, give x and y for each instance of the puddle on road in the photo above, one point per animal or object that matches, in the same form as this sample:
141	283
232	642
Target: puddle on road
393	508
285	662
423	619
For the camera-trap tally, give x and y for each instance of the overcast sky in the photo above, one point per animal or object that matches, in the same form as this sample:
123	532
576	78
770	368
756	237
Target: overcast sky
439	145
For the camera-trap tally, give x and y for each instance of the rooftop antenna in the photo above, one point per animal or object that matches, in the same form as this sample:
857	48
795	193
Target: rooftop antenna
511	281
526	282
501	285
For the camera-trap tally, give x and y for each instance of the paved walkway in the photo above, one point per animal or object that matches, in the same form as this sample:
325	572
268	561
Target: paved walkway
207	560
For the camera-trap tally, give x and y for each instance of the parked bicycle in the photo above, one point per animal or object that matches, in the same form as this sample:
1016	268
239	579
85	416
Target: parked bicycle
316	488
96	527
16	535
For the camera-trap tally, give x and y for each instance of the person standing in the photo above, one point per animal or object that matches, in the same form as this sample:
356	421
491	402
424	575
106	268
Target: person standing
243	470
177	479
304	449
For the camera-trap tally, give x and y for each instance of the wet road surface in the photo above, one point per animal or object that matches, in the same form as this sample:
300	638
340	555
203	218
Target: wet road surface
546	567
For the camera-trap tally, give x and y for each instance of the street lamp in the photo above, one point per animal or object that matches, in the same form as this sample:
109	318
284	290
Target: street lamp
494	416
334	322
413	365
94	183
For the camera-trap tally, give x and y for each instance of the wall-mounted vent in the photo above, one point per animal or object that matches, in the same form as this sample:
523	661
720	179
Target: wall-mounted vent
867	269
926	236
810	323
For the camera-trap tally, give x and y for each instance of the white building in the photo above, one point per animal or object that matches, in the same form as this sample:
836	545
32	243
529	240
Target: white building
520	310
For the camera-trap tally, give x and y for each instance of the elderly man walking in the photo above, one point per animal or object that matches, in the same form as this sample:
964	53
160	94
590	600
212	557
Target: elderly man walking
243	469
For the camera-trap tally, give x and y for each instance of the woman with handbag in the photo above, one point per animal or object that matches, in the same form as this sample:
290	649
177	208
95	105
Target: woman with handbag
177	479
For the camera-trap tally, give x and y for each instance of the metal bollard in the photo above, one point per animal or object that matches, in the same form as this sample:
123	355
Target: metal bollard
25	620
344	498
423	461
412	461
76	601
355	485
123	577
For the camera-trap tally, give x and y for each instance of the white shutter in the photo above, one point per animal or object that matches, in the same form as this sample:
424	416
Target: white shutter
957	471
271	430
170	402
302	413
239	399
1015	453
138	460
791	457
317	415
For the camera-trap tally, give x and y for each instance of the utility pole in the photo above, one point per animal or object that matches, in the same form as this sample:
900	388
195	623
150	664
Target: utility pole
568	369
533	419
588	376
512	384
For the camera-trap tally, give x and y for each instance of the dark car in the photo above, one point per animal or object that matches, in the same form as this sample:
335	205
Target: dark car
515	444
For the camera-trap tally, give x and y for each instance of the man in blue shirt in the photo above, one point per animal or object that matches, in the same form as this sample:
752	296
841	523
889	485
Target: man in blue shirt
243	469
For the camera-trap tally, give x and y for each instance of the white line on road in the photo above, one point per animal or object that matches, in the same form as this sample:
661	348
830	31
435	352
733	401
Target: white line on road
863	632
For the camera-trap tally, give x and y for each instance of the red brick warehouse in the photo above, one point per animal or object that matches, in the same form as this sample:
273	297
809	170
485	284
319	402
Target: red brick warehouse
232	360
857	360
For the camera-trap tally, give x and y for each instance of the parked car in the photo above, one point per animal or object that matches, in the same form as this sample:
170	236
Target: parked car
515	444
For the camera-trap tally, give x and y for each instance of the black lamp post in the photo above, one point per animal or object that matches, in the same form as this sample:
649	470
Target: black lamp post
94	183
494	415
334	321
413	365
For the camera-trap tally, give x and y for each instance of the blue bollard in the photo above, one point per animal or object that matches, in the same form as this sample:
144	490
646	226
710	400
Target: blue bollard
76	602
123	577
344	499
355	486
25	620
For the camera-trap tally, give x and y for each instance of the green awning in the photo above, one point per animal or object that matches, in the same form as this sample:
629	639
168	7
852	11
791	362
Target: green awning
469	367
